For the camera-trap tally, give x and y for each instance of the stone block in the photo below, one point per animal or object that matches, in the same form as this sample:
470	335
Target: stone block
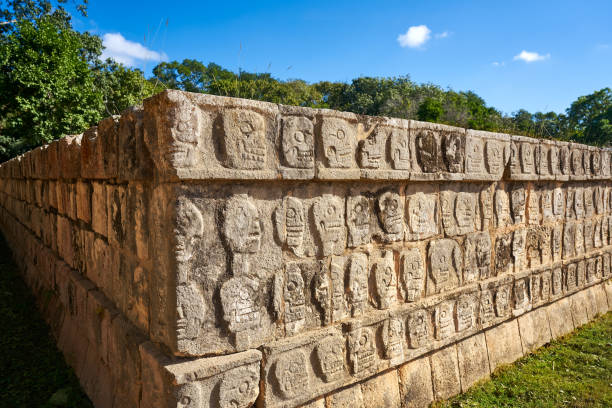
560	318
382	391
608	288
416	389
99	212
445	373
83	201
503	344
599	296
534	329
473	360
346	398
116	215
578	306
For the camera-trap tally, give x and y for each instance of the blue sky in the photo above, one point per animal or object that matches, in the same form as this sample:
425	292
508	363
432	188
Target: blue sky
537	55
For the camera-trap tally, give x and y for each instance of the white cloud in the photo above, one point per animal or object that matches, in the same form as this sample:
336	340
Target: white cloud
531	56
498	64
415	37
127	52
444	34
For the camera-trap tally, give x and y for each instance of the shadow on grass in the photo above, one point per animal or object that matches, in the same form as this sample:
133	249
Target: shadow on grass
33	372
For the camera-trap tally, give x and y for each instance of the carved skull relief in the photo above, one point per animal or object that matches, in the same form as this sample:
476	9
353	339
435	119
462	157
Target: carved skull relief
298	142
413	274
189	395
328	213
453	147
502	301
502	208
362	351
418	329
239	388
385	280
428	151
466	312
393	335
487	308
445	323
445	264
244	142
238	299
242	227
358	283
190	311
189	227
400	150
291	374
391	214
372	150
339	142
422	217
474	161
494	156
330	358
294	298
358	220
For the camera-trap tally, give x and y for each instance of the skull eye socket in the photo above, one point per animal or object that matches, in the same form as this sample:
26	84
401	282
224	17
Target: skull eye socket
185	400
299	137
331	210
291	213
246	127
340	134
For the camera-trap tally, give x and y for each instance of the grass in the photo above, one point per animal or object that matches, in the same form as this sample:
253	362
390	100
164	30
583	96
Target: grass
574	371
33	372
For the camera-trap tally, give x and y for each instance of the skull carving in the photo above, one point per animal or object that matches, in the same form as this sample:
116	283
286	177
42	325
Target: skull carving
298	142
291	375
330	358
422	215
385	280
494	157
527	159
362	351
189	395
502	301
238	299
242	227
464	211
390	213
393	334
487	308
339	141
176	142
189	227
445	325
190	311
358	283
400	150
413	274
518	204
239	388
372	150
502	208
445	263
454	152
577	168
244	139
291	223
328	213
418	329
358	220
466	317
295	300
428	151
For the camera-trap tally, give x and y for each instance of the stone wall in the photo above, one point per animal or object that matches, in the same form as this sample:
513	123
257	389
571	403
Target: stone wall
205	251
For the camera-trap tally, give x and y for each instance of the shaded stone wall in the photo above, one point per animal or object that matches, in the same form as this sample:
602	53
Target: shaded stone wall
205	251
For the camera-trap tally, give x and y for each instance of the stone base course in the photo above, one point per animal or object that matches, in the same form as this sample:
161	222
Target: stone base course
204	251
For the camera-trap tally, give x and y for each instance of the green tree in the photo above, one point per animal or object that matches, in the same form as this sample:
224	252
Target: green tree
430	110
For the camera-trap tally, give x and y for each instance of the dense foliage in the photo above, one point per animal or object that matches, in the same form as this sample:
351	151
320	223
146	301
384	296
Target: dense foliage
53	83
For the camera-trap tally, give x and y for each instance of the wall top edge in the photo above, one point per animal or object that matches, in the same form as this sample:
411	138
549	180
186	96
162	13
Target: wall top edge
179	135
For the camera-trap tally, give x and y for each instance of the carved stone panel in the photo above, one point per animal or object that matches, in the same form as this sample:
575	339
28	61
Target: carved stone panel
576	162
240	309
339	303
589	206
358	214
526	151
503	253
290	221
533	208
486	208
521	296
385	280
519	238
239	387
393	335
291	374
418	329
362	351
339	142
422	215
412	274
474	155
372	150
487	306
298	142
495	157
391	216
428	151
502	209
557	282
477	264
564	160
556	239
569	234
546	199
517	202
358	283
244	139
294	299
400	150
502	301
558	202
242	228
459	211
329	359
190	312
445	265
444	319
328	211
571	279
466	312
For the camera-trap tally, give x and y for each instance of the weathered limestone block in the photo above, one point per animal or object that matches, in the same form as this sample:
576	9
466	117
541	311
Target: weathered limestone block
473	361
415	383
382	391
445	373
503	344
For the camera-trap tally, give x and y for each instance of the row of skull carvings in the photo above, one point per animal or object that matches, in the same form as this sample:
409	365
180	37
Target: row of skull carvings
375	143
404	333
388	216
344	287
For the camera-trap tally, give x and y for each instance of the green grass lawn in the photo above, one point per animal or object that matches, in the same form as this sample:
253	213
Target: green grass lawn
33	372
574	371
